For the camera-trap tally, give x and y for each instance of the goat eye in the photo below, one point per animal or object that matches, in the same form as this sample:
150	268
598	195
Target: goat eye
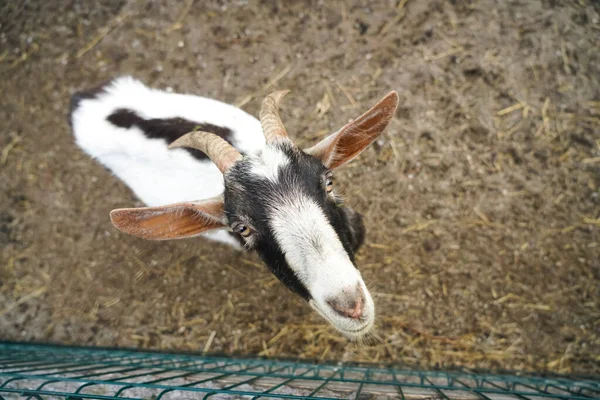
242	230
329	184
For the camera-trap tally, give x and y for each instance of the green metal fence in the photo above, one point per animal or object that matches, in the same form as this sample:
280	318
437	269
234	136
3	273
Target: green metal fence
42	372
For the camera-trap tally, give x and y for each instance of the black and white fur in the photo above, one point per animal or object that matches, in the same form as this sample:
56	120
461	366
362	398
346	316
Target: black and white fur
127	126
304	234
298	227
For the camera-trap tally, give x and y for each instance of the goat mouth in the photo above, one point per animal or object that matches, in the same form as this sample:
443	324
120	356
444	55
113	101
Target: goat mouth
352	334
361	329
358	334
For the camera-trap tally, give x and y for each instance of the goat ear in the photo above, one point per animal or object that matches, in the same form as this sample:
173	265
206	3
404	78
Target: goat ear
173	221
347	143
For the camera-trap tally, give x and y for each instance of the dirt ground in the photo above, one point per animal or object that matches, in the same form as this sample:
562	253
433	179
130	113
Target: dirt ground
482	202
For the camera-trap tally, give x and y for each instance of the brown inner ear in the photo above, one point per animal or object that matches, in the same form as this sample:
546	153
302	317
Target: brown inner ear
170	222
357	135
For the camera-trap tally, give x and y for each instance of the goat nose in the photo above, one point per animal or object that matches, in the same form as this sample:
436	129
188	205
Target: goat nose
349	304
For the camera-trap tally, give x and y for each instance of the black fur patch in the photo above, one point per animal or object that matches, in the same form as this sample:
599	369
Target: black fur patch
245	202
169	129
356	226
78	97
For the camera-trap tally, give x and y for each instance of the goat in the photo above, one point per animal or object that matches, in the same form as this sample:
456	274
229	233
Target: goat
207	168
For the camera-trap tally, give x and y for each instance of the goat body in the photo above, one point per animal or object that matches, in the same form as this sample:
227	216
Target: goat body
257	188
127	127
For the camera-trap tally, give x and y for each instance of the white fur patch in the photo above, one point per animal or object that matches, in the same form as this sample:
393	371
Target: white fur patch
311	246
268	162
315	253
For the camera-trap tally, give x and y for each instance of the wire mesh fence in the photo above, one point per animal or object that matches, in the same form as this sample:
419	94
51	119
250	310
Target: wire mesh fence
44	372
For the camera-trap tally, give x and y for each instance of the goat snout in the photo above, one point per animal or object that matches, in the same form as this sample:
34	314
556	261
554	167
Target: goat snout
349	303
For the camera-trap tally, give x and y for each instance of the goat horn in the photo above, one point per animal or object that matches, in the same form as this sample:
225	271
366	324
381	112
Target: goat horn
218	150
270	121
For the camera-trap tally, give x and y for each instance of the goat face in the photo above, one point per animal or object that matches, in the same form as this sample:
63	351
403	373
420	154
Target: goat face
281	203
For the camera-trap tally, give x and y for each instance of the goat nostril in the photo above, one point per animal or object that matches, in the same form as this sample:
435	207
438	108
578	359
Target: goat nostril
360	294
349	306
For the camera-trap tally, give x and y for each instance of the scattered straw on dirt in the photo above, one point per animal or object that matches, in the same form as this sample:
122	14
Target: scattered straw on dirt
481	201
